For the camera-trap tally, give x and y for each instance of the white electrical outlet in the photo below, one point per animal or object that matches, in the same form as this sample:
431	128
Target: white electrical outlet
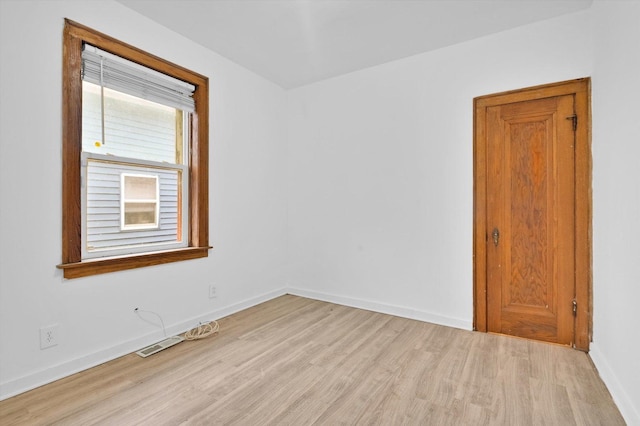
212	292
48	336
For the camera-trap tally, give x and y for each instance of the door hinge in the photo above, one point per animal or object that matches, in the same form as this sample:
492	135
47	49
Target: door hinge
574	119
574	307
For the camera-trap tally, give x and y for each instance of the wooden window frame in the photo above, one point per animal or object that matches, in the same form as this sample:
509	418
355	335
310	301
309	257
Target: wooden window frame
72	263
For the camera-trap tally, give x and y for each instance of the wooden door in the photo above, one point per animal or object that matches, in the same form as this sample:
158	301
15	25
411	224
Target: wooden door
530	200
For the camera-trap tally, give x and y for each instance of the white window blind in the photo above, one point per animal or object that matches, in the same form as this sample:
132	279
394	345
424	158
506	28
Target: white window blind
111	71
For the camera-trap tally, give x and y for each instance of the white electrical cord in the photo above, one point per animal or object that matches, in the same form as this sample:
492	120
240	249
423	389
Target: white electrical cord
137	311
202	330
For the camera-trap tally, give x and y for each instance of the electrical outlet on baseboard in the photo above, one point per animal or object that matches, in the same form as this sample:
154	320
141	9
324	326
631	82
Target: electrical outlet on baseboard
48	336
213	293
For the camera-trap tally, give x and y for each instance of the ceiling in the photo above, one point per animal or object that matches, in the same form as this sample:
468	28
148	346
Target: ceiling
297	42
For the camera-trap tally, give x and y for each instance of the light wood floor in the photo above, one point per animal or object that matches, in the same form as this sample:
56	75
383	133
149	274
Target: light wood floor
296	361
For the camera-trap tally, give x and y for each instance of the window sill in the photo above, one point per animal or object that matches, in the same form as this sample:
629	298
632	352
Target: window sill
101	266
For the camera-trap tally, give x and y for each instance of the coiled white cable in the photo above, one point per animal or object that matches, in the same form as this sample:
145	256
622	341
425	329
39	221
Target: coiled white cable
202	330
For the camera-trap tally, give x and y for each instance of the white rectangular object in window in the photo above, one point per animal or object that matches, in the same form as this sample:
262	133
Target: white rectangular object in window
139	202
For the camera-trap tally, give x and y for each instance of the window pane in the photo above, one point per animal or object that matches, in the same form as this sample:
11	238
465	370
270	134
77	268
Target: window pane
91	121
140	188
125	210
133	127
139	213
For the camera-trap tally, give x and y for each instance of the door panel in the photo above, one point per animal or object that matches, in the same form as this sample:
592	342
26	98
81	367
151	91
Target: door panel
532	184
530	279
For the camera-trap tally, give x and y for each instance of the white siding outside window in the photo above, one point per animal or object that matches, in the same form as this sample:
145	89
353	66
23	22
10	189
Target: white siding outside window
133	127
103	218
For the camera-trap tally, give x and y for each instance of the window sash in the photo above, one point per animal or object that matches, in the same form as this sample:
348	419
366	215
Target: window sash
105	211
126	126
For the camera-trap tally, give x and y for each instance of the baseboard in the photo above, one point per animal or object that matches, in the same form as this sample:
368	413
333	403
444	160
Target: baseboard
628	410
384	308
67	368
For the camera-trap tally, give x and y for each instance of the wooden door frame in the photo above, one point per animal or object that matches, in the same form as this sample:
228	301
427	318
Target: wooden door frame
581	89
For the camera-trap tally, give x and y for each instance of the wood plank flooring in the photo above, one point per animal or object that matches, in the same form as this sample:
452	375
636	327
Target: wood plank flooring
297	361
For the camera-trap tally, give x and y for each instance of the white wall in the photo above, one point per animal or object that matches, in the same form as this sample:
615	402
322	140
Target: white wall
95	315
616	201
380	177
380	169
379	195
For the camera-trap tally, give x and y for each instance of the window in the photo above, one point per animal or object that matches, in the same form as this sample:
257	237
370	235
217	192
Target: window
140	206
135	157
